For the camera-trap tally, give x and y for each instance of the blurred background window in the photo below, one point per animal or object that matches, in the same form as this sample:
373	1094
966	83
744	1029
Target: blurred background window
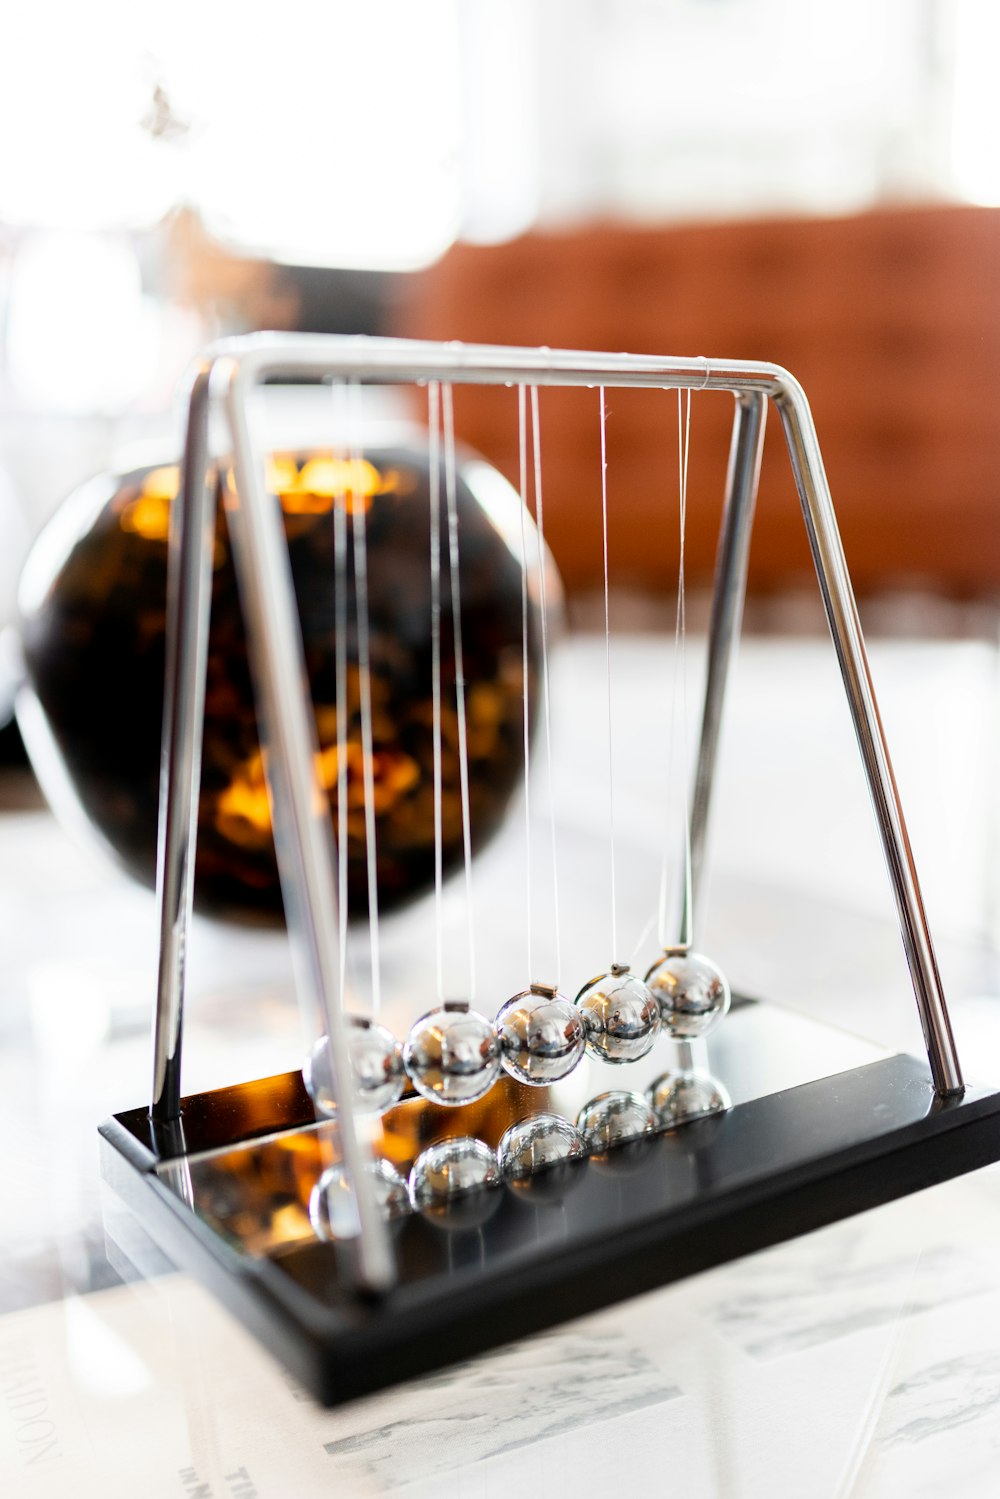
174	172
294	137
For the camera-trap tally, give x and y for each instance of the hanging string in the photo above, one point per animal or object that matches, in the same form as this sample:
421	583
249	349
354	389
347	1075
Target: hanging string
522	433
537	455
607	662
451	502
340	670
358	504
683	937
434	457
643	938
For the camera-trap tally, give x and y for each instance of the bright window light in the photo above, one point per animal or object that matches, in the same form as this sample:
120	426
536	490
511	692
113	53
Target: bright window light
333	135
326	133
74	89
81	336
976	128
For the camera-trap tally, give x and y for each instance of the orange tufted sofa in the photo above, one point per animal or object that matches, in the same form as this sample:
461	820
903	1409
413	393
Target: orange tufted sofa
890	319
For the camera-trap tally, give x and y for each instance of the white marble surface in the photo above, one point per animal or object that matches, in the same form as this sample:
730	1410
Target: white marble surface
858	1363
862	1362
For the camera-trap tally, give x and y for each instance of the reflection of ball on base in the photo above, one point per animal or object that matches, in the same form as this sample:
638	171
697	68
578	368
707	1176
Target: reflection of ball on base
542	1158
541	1035
451	1182
613	1119
333	1210
621	1016
678	1097
537	1146
692	994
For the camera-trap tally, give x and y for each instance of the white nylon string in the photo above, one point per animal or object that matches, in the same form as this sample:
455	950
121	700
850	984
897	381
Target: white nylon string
434	458
540	522
340	669
683	937
358	513
643	938
451	501
607	662
522	433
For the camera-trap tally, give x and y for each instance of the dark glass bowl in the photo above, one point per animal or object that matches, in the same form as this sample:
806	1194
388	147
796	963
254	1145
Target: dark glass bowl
93	610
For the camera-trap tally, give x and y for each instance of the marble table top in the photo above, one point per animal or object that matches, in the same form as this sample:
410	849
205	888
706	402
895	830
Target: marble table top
860	1362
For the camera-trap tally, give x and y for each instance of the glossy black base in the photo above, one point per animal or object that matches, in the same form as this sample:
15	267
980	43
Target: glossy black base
529	1257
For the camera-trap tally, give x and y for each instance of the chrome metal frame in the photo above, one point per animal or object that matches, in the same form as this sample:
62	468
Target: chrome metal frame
225	381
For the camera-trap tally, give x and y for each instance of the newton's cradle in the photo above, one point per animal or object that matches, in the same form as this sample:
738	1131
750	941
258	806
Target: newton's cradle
397	1206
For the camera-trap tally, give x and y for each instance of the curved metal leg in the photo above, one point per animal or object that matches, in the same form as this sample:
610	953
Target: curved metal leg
728	594
189	597
300	807
845	627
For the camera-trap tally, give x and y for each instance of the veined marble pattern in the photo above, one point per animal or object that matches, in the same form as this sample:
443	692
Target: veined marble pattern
519	1395
942	1397
613	1402
936	1428
826	1286
859	1363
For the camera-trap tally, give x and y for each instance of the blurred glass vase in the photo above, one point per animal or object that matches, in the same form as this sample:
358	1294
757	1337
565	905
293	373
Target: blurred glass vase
92	606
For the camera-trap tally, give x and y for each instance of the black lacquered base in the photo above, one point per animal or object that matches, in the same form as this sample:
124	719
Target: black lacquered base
228	1196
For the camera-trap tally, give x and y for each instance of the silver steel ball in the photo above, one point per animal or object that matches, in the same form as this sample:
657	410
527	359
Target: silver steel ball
692	994
333	1210
452	1055
541	1035
613	1119
620	1015
377	1073
678	1097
